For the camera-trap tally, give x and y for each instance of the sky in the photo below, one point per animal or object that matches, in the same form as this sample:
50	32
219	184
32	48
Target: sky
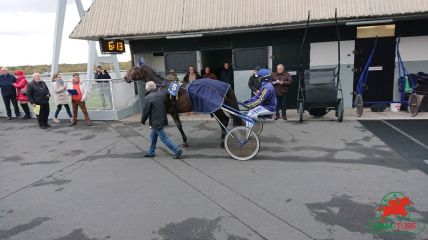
27	33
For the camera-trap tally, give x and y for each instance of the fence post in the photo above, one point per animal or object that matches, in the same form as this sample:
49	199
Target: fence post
113	107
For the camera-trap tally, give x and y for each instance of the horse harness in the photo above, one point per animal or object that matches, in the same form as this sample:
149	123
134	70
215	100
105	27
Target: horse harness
173	89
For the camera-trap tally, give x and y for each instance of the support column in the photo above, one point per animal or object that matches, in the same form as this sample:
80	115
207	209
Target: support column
59	26
116	66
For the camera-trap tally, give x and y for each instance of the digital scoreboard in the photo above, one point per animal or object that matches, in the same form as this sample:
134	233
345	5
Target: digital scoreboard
114	46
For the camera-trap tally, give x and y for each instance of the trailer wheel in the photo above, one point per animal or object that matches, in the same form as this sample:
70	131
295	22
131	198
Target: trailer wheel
413	105
340	110
359	105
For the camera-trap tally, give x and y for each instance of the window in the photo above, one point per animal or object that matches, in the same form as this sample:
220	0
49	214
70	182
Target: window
248	58
180	61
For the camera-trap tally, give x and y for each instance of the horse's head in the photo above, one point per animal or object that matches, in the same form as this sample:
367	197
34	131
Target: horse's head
142	73
135	74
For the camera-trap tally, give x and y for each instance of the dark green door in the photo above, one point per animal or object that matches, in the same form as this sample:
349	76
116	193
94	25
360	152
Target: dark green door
380	79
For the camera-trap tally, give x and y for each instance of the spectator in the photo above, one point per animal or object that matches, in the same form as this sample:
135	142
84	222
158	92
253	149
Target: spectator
209	74
79	99
103	86
60	96
38	95
154	110
281	81
191	75
21	89
227	75
172	75
264	102
8	92
254	82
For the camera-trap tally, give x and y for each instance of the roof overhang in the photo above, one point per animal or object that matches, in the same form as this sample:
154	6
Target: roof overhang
275	27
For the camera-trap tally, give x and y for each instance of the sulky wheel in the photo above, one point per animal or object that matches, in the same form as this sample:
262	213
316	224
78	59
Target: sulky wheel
340	110
239	146
359	105
301	111
258	126
413	105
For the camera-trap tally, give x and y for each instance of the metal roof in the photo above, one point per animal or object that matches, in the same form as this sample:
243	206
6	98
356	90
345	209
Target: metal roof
159	18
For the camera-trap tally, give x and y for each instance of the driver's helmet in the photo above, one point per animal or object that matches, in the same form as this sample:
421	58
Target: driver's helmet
264	74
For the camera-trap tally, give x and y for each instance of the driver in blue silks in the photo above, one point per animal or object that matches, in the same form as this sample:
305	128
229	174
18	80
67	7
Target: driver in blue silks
264	102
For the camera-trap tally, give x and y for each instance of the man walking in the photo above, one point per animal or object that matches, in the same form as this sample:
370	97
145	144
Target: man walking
8	92
154	110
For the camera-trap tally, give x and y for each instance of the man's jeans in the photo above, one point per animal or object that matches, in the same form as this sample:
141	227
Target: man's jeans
154	139
257	111
281	104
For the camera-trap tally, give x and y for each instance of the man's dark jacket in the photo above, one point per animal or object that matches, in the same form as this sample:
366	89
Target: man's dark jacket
226	76
254	84
154	110
99	75
285	82
7	89
38	92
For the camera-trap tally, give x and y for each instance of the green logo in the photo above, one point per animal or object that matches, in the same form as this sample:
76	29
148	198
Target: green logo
394	216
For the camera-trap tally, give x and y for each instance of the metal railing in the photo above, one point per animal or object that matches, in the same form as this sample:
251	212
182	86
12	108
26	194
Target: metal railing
105	95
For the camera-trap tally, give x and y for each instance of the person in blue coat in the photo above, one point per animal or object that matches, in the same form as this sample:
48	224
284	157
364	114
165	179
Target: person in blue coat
264	102
8	92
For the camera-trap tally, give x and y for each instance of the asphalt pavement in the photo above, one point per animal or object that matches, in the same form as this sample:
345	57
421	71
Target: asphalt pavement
310	180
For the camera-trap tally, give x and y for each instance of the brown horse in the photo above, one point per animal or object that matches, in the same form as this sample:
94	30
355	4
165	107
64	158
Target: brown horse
182	104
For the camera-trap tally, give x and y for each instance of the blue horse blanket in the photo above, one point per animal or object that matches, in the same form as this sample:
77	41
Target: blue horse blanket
207	95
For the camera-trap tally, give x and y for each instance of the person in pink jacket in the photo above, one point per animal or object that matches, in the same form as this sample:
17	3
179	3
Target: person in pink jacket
21	89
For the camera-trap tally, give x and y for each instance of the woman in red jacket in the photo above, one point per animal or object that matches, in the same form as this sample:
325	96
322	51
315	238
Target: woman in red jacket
21	89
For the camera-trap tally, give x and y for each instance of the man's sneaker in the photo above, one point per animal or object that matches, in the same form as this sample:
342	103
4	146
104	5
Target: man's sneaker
55	120
72	124
149	155
177	155
276	117
9	118
284	117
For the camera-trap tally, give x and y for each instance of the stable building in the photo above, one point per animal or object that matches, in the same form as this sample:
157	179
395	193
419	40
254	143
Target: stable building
249	33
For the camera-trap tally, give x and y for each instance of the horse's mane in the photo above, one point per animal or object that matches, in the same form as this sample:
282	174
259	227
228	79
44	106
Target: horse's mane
151	71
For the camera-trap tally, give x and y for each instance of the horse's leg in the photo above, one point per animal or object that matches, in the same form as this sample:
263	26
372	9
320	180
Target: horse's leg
224	119
177	121
232	102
